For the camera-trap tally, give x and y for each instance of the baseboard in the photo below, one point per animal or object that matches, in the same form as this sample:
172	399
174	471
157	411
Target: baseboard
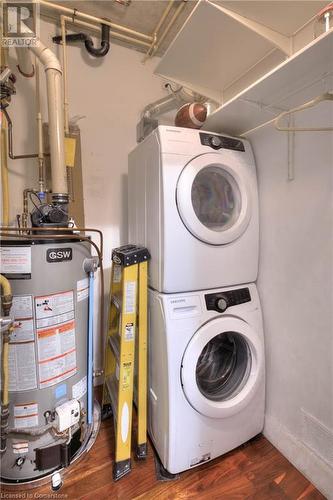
302	457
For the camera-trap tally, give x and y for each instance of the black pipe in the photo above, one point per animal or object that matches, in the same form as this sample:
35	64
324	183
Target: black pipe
89	44
105	43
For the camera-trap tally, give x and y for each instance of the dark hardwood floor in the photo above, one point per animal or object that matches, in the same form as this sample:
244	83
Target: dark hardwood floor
256	471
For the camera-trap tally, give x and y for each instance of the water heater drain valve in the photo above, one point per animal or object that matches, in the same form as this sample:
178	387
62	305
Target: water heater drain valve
68	414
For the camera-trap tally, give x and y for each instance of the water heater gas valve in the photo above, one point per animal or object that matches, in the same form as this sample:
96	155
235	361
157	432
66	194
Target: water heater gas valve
68	414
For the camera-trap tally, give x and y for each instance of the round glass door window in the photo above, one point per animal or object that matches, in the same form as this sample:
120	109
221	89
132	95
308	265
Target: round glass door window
216	198
223	366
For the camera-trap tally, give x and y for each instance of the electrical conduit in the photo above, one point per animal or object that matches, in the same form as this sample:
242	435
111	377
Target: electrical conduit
4	172
90	381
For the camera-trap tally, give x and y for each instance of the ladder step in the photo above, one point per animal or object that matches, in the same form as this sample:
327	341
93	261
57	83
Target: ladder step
114	343
112	387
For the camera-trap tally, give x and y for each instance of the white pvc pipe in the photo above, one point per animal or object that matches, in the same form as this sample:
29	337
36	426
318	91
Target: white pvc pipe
53	74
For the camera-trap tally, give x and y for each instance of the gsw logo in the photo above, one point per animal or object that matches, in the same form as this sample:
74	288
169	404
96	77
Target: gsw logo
59	254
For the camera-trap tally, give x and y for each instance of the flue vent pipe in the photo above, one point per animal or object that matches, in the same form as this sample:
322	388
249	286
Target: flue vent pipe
53	72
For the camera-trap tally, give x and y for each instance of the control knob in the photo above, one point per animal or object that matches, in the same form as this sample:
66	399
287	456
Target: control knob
215	141
221	304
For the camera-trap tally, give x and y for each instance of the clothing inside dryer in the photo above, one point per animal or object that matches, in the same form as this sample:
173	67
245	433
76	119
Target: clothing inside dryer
223	366
216	198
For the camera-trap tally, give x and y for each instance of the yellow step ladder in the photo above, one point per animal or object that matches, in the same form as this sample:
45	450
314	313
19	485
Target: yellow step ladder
126	345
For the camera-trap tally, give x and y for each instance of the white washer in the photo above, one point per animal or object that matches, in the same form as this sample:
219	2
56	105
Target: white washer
193	202
206	373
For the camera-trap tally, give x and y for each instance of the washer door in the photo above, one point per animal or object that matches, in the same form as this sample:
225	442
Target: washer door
222	367
213	200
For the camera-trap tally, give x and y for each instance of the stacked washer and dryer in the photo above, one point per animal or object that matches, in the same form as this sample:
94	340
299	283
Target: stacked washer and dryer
193	202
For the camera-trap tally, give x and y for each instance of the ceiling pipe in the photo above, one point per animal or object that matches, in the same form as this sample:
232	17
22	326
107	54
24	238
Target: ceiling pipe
168	27
53	73
78	14
157	29
113	34
87	40
105	43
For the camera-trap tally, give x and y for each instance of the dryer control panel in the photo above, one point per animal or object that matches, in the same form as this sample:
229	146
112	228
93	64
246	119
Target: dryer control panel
220	301
221	142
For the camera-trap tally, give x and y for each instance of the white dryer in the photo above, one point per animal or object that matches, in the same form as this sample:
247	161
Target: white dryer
193	202
206	373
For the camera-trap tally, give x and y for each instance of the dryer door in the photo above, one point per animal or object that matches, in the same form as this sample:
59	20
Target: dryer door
222	367
213	200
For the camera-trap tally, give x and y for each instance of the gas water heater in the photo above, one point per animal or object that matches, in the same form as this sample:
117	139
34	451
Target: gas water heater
48	418
48	421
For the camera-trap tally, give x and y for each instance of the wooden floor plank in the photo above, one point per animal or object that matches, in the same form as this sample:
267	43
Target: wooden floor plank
254	471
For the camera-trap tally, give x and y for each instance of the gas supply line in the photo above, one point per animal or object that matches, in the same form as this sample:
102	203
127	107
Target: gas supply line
6	329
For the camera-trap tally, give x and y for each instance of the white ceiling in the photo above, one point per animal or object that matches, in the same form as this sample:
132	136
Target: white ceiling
226	49
284	16
141	15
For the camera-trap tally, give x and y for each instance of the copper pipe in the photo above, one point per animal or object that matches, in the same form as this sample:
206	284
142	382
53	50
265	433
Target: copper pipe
59	230
10	141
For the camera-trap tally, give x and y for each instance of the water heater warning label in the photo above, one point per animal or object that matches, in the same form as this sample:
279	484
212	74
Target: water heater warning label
22	306
25	415
56	353
82	289
24	322
22	367
15	260
54	309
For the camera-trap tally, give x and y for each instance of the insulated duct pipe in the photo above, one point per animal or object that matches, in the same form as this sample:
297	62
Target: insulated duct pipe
161	106
53	74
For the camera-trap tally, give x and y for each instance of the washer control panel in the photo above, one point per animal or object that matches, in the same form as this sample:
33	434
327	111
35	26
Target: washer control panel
221	142
220	301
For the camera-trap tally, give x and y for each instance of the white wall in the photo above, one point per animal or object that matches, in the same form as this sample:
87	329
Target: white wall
110	92
296	288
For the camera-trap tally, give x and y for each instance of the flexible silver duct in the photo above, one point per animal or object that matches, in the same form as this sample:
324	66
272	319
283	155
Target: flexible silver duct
173	100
